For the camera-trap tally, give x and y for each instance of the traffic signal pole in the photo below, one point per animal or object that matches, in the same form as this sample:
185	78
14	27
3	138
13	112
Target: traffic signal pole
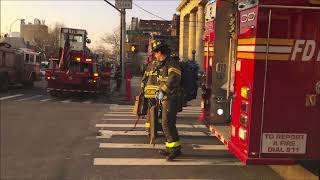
122	46
122	43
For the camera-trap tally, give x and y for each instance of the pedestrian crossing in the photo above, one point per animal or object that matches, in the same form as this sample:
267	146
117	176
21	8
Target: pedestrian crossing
115	137
43	98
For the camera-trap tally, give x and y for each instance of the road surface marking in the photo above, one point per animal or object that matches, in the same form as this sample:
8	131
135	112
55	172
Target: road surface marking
164	162
187	113
122	109
46	100
9	97
87	102
143	125
130	146
66	101
29	98
120	119
159	146
108	134
120	112
116	115
209	147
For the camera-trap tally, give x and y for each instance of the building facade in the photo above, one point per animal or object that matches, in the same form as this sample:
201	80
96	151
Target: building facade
32	33
192	25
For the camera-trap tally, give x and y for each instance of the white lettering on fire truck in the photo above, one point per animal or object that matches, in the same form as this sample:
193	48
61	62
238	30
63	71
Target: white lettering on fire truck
284	143
307	50
248	17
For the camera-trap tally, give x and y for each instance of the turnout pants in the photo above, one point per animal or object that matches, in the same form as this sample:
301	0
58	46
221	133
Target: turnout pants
169	117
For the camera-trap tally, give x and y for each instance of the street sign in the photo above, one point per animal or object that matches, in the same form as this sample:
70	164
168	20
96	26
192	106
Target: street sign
134	32
124	4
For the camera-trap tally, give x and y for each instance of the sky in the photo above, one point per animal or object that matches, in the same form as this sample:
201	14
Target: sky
96	16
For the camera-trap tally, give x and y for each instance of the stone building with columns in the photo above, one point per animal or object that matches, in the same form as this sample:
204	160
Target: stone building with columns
192	24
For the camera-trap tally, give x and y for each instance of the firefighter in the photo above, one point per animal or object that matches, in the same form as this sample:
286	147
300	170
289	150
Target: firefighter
149	86
169	77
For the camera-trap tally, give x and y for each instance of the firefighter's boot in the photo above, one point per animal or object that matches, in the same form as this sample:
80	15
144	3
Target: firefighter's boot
174	153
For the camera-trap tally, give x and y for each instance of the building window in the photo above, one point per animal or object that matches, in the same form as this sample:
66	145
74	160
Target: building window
38	59
27	58
32	59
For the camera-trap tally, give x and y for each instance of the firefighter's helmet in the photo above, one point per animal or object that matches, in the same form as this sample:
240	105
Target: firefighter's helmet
158	45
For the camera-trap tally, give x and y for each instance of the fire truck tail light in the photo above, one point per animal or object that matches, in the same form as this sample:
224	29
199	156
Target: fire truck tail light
233	131
244	106
243	119
242	133
95	76
245	92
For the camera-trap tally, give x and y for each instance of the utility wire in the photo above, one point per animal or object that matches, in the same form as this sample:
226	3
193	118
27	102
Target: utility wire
149	12
157	15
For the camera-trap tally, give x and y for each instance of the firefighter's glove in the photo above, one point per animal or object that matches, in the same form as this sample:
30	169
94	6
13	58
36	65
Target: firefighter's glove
160	95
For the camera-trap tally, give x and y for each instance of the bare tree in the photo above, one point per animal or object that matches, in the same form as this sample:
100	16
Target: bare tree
102	50
113	39
49	44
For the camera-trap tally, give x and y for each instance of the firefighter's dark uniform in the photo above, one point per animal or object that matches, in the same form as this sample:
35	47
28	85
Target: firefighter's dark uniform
149	86
169	83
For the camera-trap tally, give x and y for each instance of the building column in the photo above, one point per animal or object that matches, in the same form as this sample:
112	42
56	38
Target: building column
199	36
181	39
185	37
192	34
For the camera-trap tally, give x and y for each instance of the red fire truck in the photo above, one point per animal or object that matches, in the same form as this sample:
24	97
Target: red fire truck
261	90
75	70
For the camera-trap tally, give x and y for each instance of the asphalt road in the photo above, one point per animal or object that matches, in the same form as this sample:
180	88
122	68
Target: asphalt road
83	138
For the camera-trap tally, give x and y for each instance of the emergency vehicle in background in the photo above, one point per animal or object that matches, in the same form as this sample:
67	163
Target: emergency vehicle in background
75	70
18	66
261	90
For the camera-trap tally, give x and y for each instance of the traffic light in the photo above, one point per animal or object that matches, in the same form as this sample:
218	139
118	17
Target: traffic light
133	49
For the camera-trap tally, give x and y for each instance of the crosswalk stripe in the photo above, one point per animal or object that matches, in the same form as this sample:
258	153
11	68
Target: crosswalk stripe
209	147
66	101
122	109
9	97
164	162
87	102
119	119
142	125
46	100
193	113
29	98
108	134
117	115
159	146
130	146
120	112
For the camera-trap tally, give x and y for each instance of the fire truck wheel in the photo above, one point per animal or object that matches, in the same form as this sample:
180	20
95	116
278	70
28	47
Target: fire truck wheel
53	93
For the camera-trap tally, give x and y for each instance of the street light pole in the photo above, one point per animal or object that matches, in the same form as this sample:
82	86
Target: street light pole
12	24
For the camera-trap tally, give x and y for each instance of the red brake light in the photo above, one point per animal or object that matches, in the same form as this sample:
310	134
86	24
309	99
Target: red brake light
88	60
